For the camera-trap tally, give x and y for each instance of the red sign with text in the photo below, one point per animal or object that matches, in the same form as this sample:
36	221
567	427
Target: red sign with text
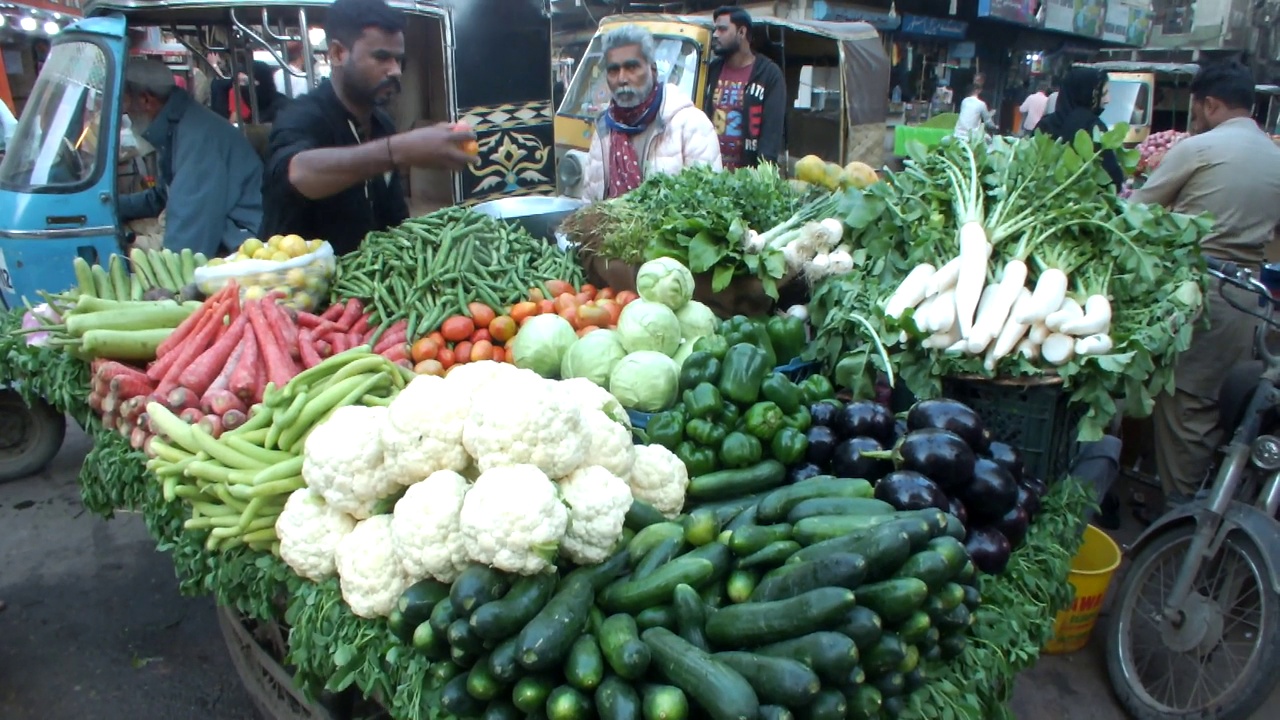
66	7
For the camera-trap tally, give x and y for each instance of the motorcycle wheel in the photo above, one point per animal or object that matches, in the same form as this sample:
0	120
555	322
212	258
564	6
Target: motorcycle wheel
1160	672
29	436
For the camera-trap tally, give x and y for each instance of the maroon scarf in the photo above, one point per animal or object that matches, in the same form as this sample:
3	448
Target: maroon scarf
625	173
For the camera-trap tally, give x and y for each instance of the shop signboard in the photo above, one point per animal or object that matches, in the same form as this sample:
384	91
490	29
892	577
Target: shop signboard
1022	12
64	7
830	12
1128	22
933	27
1078	17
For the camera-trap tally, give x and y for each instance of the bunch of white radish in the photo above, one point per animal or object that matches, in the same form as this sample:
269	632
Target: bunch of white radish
814	248
960	313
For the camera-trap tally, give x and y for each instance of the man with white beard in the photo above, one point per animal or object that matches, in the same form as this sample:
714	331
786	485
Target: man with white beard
650	126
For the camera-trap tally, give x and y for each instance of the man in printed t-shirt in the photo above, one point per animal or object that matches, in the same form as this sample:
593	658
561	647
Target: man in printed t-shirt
746	94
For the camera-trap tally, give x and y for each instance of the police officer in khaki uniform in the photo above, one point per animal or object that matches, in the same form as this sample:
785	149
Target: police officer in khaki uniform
1231	169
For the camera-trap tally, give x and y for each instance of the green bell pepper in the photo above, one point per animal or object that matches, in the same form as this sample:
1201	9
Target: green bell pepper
779	389
789	446
742	329
740	450
800	420
745	366
702	401
714	344
666	429
763	420
705	432
697	460
815	388
699	367
729	414
788	335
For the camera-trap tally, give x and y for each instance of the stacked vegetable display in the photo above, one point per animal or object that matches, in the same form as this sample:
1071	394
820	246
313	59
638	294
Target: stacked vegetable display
156	275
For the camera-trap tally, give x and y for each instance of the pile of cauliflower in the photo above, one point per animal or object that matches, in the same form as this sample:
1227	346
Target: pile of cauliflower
490	464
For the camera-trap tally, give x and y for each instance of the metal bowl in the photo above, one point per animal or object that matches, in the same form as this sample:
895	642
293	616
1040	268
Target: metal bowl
541	216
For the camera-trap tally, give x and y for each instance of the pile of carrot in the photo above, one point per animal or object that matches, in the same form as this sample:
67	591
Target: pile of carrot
346	325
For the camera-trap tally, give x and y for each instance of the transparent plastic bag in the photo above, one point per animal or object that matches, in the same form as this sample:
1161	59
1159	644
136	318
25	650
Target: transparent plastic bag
304	280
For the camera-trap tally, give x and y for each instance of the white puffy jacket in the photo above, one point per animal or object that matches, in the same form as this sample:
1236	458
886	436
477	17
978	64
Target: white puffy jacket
682	135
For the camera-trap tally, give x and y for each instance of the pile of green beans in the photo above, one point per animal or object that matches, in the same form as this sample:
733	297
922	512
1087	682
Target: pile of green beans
428	268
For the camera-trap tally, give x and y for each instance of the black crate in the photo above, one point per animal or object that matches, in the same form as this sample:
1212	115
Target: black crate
1033	415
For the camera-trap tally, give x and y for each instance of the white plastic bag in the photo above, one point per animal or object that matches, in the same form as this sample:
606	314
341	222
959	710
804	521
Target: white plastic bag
303	280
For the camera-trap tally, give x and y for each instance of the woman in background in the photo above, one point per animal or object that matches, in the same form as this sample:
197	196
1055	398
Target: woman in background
1084	94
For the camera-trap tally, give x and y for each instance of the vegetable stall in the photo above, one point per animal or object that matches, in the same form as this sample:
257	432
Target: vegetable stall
472	483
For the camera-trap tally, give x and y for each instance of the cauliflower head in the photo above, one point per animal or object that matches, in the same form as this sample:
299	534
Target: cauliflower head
512	519
423	429
309	530
659	478
518	421
611	446
369	570
598	502
484	373
342	460
593	397
425	527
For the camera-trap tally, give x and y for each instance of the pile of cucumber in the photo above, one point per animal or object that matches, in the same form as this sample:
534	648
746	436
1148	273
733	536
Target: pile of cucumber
813	601
156	275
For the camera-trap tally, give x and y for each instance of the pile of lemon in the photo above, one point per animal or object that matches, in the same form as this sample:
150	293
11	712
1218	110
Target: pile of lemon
813	170
301	286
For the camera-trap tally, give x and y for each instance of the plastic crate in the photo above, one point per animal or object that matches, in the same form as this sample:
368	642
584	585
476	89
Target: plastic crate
269	685
1033	415
798	370
639	420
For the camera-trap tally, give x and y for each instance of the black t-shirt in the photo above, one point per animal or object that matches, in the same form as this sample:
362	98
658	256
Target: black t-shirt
319	120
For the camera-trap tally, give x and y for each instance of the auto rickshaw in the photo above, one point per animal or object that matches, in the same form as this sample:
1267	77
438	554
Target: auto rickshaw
837	82
1150	97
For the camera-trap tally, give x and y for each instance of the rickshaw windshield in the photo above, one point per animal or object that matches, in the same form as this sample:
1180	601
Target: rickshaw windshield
677	59
56	146
1129	100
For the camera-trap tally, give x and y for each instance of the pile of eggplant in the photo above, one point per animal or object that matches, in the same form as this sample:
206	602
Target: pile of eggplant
940	457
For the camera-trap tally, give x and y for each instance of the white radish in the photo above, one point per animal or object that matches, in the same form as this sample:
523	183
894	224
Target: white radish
903	338
921	315
989	322
974	253
943	315
1051	289
1069	311
819	266
1038	332
1094	345
988	294
910	292
1028	349
960	347
840	262
1012	331
834	229
944	279
1058	348
1096	318
942	340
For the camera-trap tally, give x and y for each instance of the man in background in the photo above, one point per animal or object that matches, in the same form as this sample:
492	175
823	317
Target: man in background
1033	108
746	94
975	119
292	84
1231	169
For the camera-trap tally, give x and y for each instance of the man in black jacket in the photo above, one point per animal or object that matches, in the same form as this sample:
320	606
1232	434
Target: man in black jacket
746	94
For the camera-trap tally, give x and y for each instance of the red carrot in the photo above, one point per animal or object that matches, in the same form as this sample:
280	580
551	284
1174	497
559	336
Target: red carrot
200	374
279	366
333	312
350	314
340	343
388	339
211	424
242	378
181	398
284	328
138	438
307	349
307	320
112	369
406	364
396	353
224	376
191	416
259	379
191	324
360	327
220	401
182	355
233	419
95	401
127	386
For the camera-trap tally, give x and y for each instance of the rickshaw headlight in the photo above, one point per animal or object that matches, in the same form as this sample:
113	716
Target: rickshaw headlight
570	170
1266	452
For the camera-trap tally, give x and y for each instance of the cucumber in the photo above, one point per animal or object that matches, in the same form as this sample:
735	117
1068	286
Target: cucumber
915	628
651	537
547	638
953	645
856	678
884	656
891	684
915	680
584	668
503	618
606	572
752	538
713	595
956	619
531	692
813	530
743	519
775	506
950	595
937	520
894	600
842	570
665	552
771	555
863	703
775	712
952	550
429	642
504	661
885	546
777	680
724	484
398	627
442	616
813	507
636	595
501	709
972	597
741	583
663	616
828	705
641	515
700	527
691	616
756	623
475	586
893	707
955	529
929	566
462	657
862	626
722	692
968	575
616	699
831	655
481	683
462	637
664	702
622	648
568	703
912	659
931	638
419	600
718	554
442	672
455	699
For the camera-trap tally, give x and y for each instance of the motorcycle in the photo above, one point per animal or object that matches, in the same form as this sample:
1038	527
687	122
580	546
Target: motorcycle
1203	585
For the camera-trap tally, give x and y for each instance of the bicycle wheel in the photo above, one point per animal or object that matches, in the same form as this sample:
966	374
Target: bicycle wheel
1219	664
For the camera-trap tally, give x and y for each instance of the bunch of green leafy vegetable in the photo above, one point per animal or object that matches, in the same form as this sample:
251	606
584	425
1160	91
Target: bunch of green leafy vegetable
1051	200
43	373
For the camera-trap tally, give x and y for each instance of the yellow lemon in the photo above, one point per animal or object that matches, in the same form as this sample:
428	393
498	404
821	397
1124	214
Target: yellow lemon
811	169
254	293
296	278
859	175
274	241
250	246
280	256
314	245
303	301
215	262
294	245
263	254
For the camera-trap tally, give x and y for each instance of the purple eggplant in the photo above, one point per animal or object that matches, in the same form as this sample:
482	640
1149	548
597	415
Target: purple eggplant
796	473
822	445
1035	485
1007	457
866	419
956	508
825	413
1028	501
940	455
988	549
950	415
1013	525
850	460
990	494
909	490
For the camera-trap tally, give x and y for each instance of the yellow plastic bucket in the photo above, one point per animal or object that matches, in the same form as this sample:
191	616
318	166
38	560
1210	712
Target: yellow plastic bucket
1091	572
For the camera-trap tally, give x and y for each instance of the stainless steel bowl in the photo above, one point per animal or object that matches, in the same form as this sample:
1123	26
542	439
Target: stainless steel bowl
541	216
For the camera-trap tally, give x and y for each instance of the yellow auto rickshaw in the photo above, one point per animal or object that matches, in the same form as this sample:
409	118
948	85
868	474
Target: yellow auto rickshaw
1150	97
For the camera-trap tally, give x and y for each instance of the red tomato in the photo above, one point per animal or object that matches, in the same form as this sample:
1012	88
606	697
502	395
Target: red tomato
565	300
605	294
559	287
589	289
594	314
481	314
571	314
456	328
499	355
587	330
481	334
445	356
482	350
522	310
424	349
502	328
584	297
429	367
462	352
626	296
546	307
